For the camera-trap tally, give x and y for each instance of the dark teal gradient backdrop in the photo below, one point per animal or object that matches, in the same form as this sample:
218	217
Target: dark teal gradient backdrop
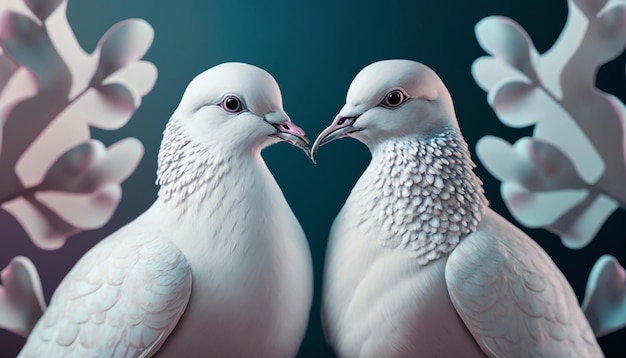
314	49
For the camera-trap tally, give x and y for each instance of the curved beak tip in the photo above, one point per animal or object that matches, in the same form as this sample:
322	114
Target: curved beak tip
341	127
292	134
320	141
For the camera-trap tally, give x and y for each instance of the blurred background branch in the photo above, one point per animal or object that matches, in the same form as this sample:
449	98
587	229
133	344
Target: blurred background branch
569	176
55	179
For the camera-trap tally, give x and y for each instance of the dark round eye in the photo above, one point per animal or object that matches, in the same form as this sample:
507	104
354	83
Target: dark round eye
231	104
394	98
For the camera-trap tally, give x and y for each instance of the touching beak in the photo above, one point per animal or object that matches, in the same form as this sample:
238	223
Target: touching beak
292	134
341	127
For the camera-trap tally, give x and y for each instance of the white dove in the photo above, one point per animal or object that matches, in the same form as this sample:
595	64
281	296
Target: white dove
218	266
417	264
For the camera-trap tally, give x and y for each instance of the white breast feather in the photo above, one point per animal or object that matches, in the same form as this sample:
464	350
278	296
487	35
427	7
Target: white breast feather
422	195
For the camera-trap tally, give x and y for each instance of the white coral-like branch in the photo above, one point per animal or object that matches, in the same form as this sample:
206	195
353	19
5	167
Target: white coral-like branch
56	180
568	177
605	296
21	296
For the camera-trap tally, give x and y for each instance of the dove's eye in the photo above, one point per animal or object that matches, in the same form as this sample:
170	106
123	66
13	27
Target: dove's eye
231	104
394	99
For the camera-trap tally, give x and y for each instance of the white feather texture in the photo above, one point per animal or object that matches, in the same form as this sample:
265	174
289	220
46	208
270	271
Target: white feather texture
417	264
220	221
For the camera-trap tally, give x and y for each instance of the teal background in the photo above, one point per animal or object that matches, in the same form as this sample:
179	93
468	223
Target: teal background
314	49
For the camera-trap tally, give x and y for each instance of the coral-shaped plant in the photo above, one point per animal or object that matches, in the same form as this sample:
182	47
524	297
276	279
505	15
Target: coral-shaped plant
21	296
569	176
605	296
54	179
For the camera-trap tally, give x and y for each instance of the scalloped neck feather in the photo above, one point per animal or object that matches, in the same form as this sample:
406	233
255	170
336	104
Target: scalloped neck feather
187	171
421	195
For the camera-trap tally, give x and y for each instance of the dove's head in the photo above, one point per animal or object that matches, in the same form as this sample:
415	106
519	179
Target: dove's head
237	106
392	99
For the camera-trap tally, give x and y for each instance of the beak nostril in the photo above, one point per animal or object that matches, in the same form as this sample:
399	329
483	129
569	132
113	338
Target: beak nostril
341	121
285	126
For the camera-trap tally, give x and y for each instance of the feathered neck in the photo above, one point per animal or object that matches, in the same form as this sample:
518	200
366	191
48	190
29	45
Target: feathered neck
187	172
423	194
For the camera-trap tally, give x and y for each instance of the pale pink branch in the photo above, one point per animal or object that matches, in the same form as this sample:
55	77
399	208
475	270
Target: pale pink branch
605	296
555	92
139	77
83	211
21	296
28	44
90	166
81	65
44	227
126	42
569	177
55	180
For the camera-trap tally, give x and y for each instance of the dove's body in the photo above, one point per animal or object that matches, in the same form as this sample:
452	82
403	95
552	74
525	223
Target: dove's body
380	298
417	264
219	260
253	294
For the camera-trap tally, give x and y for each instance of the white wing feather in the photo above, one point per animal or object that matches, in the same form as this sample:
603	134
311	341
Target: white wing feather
122	299
513	298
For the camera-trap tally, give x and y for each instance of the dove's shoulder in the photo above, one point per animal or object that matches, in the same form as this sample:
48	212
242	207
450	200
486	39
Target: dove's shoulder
513	298
123	298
